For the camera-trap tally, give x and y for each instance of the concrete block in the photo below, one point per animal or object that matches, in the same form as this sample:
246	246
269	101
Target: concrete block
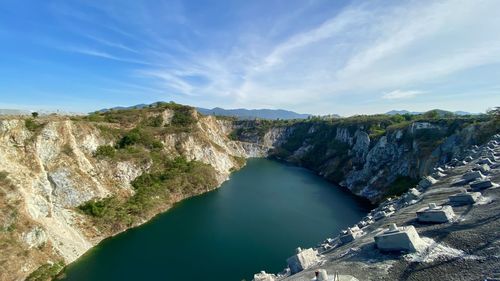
464	198
426	182
468	158
472	175
399	239
411	195
435	214
438	175
486	161
381	214
483	168
263	276
350	234
481	184
302	260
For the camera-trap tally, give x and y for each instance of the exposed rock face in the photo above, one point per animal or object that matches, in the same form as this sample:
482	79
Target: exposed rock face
368	165
53	170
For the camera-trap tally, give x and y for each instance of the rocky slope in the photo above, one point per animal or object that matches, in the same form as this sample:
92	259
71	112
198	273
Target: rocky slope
373	157
48	167
67	183
465	247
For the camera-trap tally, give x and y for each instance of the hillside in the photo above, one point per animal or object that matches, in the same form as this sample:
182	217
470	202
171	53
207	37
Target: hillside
69	182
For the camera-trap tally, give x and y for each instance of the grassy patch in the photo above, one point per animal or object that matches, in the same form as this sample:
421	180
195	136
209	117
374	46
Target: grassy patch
33	125
153	190
46	272
400	186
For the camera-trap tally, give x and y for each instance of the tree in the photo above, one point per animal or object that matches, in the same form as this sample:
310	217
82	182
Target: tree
34	114
495	112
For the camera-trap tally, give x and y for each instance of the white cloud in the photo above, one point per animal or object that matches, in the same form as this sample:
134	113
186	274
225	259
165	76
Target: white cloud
363	49
399	94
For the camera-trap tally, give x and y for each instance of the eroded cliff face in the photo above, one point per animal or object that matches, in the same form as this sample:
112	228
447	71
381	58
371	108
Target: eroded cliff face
51	169
371	165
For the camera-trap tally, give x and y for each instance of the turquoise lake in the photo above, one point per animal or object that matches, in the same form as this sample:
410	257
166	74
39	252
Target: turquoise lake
253	222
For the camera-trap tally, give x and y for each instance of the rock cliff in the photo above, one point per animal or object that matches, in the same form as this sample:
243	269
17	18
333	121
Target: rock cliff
49	167
373	157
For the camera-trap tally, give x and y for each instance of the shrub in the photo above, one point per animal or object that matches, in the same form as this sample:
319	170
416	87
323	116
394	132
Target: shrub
105	151
32	125
46	272
400	186
183	117
152	190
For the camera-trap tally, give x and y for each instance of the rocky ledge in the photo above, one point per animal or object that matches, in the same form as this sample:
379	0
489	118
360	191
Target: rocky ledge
446	228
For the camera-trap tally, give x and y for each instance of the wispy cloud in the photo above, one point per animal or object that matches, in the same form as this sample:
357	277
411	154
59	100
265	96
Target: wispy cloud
353	53
400	94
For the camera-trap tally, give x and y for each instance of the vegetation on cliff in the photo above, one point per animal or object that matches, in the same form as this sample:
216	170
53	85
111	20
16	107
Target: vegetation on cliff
168	177
154	190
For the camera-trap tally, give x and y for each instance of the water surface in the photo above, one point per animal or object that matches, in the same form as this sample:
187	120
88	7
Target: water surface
253	222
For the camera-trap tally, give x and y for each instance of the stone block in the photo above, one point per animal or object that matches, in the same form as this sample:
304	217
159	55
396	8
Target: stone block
483	168
472	175
435	214
399	239
263	276
302	260
481	184
411	195
486	161
464	198
426	182
350	234
381	214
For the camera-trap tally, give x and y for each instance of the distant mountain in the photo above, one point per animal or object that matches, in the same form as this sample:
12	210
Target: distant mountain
440	111
242	113
18	112
137	106
401	112
14	112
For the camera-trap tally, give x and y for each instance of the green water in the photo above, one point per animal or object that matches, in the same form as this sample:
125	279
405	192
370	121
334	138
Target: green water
253	222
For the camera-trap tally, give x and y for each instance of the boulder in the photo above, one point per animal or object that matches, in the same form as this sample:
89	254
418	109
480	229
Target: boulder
399	239
464	198
412	195
350	234
426	182
263	276
302	260
468	159
483	168
381	214
472	175
481	184
486	161
435	214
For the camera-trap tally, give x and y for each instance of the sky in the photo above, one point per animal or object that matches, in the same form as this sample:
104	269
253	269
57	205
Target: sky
309	56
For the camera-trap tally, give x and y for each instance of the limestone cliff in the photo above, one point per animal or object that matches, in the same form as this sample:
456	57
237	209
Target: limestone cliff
373	157
48	167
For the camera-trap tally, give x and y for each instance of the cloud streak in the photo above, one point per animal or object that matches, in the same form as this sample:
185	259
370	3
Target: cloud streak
399	94
353	53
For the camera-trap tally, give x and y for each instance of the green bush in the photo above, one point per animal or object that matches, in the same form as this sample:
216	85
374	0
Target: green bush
46	272
400	186
152	189
139	136
32	125
104	151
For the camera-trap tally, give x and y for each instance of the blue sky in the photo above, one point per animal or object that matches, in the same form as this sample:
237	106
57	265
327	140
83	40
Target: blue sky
320	57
